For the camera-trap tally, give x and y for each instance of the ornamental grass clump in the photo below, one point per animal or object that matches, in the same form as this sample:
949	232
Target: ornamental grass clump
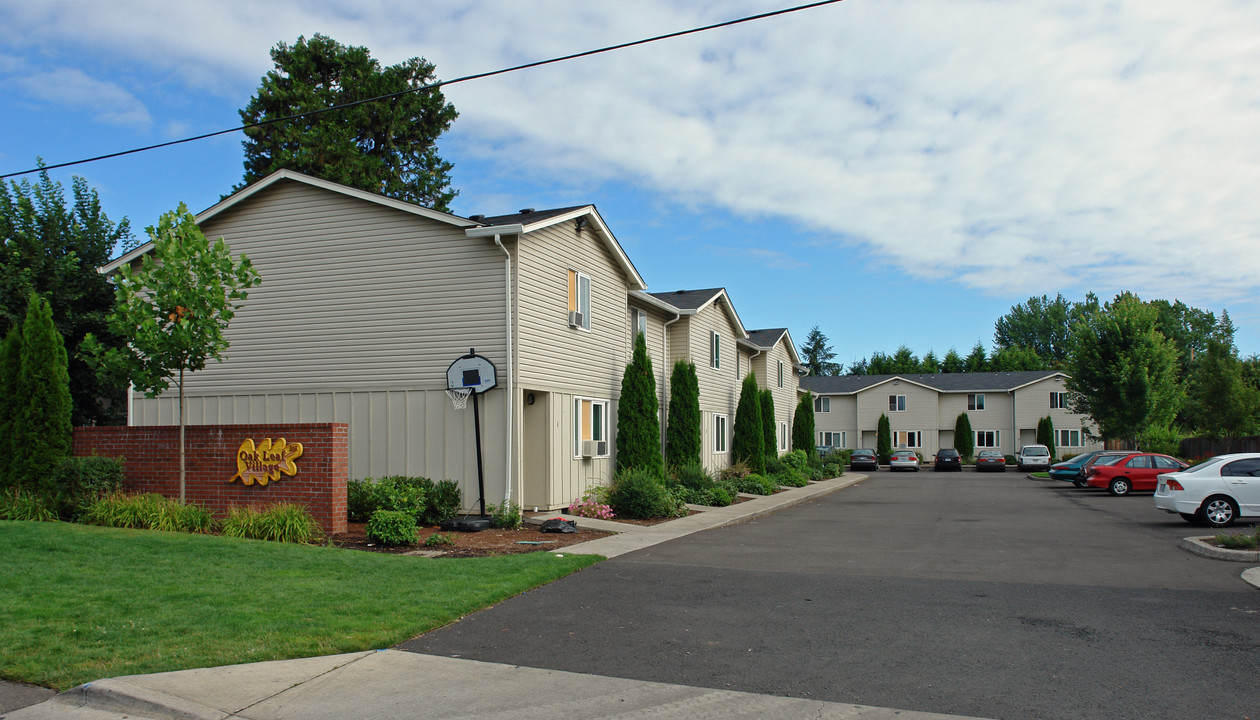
1239	541
24	506
148	511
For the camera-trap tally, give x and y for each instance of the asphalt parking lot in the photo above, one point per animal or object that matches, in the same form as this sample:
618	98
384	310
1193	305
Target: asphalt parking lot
987	595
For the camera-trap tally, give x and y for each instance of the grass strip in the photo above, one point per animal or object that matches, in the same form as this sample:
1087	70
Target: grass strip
79	603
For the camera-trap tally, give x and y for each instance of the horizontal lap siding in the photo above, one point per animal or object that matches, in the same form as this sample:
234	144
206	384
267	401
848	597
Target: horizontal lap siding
766	367
843	417
997	415
921	411
719	388
352	294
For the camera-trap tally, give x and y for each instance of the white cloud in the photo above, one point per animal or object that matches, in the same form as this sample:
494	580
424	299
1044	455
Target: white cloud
1025	147
107	101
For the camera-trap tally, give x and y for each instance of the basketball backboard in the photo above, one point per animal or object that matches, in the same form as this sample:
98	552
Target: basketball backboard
471	371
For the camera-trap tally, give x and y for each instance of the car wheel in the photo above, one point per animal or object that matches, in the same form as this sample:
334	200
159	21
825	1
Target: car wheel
1119	486
1080	483
1218	511
1189	517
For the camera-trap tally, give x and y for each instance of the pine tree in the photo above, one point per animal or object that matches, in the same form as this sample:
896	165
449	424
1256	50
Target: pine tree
1045	433
747	445
770	440
43	429
638	424
803	426
682	427
883	439
964	438
10	368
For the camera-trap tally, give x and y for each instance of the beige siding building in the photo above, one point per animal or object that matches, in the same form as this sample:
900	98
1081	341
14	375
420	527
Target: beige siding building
366	301
1003	409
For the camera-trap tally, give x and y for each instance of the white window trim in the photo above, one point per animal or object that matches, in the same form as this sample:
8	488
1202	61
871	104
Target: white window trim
780	373
721	432
602	405
833	436
898	405
715	350
1058	400
975	402
822	404
1068	433
997	439
782	436
916	435
578	277
640	323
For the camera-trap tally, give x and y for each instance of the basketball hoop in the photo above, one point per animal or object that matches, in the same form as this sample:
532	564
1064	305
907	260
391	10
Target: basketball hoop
459	397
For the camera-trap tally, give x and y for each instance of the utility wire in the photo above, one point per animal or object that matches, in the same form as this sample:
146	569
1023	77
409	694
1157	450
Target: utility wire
434	86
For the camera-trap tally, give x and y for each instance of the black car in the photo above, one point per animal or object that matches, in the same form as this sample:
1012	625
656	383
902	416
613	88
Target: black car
864	459
947	459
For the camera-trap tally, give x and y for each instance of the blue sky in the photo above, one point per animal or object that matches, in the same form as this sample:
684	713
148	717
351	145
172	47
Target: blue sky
893	171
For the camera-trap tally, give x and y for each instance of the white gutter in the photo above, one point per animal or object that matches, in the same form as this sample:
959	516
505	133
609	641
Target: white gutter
507	307
666	376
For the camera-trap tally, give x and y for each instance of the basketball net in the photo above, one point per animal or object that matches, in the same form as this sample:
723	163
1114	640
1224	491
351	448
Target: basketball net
459	397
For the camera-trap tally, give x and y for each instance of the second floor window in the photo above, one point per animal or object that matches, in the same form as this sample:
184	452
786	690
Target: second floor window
580	299
896	403
822	404
715	350
780	373
1058	400
975	401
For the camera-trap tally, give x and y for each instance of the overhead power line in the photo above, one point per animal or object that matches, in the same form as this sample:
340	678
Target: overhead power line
433	86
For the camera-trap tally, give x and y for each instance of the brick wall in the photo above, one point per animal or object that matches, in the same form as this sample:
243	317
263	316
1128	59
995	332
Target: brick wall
152	464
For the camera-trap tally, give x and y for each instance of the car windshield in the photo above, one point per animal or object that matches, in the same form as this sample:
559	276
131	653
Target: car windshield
1036	451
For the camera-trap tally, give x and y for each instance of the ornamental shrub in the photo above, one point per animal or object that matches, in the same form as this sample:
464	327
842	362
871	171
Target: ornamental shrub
803	437
591	509
24	506
442	501
693	476
391	527
770	440
883	440
402	494
361	500
682	427
637	493
506	516
289	522
964	438
42	431
10	410
81	481
748	444
1045	434
638	416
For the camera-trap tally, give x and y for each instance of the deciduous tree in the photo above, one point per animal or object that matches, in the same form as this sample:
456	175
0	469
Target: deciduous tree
385	146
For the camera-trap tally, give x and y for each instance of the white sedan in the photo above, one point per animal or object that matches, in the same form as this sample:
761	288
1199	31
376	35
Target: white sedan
1217	491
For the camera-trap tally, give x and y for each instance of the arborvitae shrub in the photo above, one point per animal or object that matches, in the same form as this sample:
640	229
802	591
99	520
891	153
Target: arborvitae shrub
682	429
747	445
638	418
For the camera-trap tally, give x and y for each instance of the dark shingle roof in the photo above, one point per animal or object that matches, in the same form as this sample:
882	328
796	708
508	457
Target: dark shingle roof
525	218
944	382
765	338
688	299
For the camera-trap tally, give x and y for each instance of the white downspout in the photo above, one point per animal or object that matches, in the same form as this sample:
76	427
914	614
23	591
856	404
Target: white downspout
665	378
507	307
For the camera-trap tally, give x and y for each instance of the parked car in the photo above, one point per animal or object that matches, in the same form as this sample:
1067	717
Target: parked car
904	460
991	460
1072	470
1217	491
863	459
947	459
1033	457
1135	471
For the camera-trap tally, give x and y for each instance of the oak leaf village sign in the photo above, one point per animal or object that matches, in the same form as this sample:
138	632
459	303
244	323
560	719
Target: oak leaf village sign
265	462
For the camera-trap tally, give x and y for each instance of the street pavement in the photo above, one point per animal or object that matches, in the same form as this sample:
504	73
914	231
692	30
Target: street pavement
911	595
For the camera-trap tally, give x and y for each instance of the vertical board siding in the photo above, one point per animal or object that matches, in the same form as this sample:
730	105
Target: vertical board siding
352	293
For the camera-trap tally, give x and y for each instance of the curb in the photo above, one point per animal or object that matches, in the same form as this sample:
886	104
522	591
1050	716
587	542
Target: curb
119	696
1196	546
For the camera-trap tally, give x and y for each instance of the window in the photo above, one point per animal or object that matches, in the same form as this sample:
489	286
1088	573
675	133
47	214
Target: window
783	435
907	438
822	404
832	439
1058	401
719	434
1069	438
1141	462
780	373
896	403
580	297
975	401
988	438
1163	463
590	423
640	322
715	350
1247	467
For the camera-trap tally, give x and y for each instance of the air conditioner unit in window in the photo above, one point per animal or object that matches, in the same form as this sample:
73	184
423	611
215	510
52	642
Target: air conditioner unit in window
588	448
576	319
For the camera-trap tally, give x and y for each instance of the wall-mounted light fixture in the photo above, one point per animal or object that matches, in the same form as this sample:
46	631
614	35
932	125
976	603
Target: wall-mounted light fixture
529	399
580	223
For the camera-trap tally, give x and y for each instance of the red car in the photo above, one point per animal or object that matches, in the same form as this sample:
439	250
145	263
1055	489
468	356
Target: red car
1136	471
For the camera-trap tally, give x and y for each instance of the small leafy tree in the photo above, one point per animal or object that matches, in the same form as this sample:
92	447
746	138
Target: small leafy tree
803	426
1045	433
770	441
682	427
175	310
964	438
638	421
883	439
42	436
747	446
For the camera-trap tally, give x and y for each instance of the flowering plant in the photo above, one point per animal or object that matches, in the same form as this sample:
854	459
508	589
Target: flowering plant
591	509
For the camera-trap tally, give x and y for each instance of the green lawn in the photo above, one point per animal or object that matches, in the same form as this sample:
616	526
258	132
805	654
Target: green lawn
78	603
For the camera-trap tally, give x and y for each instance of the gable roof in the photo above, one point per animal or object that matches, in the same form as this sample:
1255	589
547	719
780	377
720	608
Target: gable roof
941	382
767	338
527	221
690	302
293	176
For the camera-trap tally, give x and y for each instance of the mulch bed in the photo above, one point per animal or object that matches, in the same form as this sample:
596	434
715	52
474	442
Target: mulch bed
476	544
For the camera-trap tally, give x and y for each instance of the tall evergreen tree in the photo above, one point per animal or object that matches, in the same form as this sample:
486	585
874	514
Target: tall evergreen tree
953	362
770	443
387	147
10	410
748	445
1045	433
1220	403
638	418
883	439
43	436
817	354
682	427
803	426
930	363
964	438
978	360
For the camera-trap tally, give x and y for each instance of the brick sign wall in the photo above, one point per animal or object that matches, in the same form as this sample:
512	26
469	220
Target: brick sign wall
152	464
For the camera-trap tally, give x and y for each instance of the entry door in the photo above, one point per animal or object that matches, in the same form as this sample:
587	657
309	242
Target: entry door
535	450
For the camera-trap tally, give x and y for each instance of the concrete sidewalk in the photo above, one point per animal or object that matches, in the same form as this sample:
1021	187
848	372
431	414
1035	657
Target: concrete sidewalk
388	684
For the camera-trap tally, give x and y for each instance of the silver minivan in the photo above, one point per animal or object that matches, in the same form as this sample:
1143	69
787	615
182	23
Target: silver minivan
1033	457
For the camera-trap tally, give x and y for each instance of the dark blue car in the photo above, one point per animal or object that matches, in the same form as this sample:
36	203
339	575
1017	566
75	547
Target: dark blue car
1073	470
